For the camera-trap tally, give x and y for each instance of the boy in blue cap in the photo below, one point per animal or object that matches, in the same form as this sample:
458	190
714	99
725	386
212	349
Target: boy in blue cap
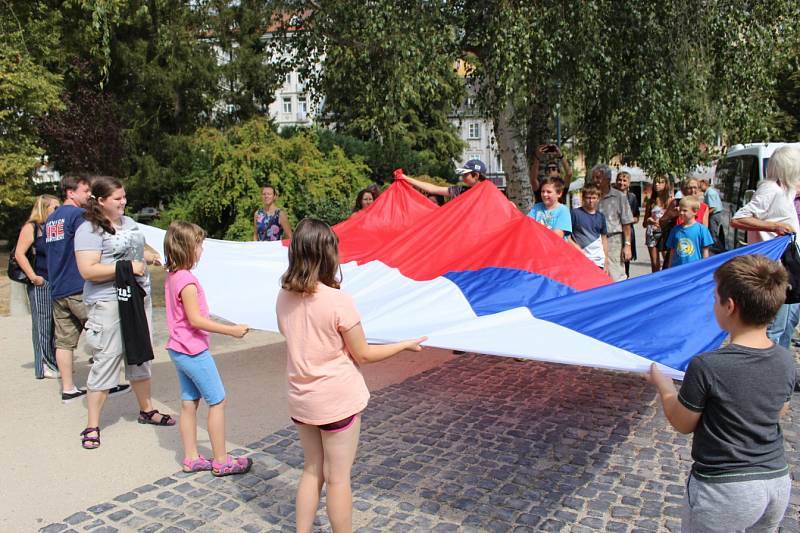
471	173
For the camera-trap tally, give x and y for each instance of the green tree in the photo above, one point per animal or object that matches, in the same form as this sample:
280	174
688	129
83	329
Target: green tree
226	168
378	71
652	82
249	74
27	92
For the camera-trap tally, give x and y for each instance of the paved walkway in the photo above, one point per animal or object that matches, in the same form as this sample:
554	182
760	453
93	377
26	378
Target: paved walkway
478	444
473	443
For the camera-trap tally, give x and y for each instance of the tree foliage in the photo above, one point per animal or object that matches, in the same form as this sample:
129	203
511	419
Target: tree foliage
379	71
654	83
228	168
28	91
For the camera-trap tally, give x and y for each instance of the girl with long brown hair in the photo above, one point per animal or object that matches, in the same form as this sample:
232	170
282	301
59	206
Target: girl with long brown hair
107	237
657	205
326	391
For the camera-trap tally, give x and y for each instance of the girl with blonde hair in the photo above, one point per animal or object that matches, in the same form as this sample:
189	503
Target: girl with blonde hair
32	238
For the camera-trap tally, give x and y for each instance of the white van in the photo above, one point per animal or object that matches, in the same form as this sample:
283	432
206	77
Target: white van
736	179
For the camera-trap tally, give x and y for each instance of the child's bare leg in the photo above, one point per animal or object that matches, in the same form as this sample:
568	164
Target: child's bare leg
216	431
311	480
655	259
340	452
188	426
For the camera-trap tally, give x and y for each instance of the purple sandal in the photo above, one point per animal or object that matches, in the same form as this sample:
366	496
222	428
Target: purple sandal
198	464
90	443
146	417
231	466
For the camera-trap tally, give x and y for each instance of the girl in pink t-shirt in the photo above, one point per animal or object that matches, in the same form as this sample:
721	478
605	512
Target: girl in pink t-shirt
326	391
188	324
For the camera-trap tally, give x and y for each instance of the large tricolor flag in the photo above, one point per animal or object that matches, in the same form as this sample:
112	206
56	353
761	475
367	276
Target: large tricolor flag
478	275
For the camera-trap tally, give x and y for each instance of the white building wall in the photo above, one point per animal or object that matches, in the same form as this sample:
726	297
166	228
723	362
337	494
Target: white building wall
478	134
292	105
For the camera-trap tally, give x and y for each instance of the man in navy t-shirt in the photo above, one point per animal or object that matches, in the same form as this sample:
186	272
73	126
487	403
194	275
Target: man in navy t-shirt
69	313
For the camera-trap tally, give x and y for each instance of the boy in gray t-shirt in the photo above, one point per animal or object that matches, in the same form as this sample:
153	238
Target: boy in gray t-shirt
732	400
126	244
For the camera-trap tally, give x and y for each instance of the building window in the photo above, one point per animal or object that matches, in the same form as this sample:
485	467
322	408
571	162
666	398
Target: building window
470	103
474	130
287	104
302	105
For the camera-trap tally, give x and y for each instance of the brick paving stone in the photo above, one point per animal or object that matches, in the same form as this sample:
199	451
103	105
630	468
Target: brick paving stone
93	524
135	522
128	496
54	528
145	488
101	508
77	518
465	447
120	515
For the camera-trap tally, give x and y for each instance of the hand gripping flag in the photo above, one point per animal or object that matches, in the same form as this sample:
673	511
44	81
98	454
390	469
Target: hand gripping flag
478	275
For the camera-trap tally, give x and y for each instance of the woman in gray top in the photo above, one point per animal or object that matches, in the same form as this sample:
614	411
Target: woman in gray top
108	236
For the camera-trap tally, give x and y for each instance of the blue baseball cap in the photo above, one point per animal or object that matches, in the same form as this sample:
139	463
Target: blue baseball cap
473	165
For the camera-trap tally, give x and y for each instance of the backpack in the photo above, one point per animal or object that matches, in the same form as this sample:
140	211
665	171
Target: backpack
791	262
15	272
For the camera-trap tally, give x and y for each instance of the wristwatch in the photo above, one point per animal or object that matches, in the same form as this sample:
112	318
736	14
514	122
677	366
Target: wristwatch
627	243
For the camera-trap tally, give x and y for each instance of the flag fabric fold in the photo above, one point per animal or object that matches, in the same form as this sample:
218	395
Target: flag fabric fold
478	275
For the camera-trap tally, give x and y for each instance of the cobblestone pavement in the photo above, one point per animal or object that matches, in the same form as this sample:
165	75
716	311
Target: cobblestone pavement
479	444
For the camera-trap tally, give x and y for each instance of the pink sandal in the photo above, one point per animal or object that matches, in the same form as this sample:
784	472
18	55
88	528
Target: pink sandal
231	466
198	464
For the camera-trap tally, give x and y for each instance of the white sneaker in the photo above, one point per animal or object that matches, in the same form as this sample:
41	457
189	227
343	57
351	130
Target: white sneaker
50	373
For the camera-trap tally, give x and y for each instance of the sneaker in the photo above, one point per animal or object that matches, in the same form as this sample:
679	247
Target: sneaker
49	373
69	397
119	390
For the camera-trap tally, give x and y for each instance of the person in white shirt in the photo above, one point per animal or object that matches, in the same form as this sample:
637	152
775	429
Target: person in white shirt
769	214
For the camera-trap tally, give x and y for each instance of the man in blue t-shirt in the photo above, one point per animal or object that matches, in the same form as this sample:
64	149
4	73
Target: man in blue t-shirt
69	313
553	215
688	242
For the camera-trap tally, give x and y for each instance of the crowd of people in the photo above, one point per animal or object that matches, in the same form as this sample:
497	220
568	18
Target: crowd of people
91	263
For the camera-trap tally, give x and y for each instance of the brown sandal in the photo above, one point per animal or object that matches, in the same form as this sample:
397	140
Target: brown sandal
146	417
90	443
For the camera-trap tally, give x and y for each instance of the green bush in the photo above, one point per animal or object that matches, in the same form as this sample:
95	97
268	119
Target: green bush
229	167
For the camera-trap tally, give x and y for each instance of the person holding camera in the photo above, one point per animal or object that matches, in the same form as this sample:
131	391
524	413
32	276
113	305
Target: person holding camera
554	159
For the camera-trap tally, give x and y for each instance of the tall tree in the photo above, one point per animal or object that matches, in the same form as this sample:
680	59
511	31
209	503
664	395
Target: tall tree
249	74
652	82
28	91
378	70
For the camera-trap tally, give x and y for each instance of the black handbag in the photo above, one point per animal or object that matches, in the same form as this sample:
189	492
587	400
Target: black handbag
791	262
15	272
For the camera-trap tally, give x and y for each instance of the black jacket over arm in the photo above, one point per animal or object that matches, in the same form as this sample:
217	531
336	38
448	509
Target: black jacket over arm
132	317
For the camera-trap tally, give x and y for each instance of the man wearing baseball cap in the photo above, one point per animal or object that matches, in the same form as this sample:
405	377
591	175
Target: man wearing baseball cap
471	173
